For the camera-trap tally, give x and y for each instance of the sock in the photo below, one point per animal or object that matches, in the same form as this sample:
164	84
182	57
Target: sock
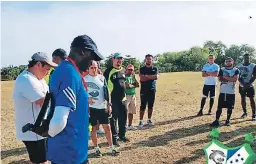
218	113
211	103
202	103
229	113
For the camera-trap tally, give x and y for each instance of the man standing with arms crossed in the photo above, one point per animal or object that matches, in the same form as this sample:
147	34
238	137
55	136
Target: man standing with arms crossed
115	77
210	72
228	76
68	129
246	87
148	76
131	84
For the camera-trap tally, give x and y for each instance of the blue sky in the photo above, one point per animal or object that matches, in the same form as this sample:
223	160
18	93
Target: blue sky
134	28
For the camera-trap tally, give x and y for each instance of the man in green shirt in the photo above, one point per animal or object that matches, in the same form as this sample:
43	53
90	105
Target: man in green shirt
131	83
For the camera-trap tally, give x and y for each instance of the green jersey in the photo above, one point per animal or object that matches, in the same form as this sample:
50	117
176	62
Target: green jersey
130	80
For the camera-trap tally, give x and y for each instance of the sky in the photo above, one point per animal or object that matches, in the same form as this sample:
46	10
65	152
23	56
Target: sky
133	28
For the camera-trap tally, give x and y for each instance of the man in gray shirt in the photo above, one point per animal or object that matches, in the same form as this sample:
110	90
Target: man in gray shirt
228	76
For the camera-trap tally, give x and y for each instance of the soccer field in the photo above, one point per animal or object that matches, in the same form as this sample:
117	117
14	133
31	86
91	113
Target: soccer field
177	137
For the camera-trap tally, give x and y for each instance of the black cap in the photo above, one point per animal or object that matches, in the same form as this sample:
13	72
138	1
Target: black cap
60	52
84	41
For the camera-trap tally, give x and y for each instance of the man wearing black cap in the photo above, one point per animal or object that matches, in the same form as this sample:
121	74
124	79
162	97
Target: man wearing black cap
68	129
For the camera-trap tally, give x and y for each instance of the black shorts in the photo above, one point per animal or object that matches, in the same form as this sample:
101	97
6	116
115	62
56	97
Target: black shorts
209	89
249	92
98	115
147	98
226	101
36	150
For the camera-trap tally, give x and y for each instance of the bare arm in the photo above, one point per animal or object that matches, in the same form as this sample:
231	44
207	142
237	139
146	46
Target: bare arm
232	79
214	74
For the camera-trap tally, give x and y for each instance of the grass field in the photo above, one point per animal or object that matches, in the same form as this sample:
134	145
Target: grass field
177	136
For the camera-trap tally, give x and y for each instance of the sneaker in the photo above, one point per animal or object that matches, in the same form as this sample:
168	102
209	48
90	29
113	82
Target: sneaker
209	112
97	152
215	123
244	115
124	139
140	125
114	151
254	118
227	123
116	143
200	113
150	123
100	131
131	128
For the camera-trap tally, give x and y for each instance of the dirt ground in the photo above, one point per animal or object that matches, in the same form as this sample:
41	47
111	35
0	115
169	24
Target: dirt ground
176	138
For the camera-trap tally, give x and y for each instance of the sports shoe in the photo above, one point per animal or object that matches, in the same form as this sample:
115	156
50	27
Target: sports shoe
244	115
227	123
131	128
254	118
140	125
100	131
150	123
215	123
124	139
209	112
114	151
200	113
97	152
116	143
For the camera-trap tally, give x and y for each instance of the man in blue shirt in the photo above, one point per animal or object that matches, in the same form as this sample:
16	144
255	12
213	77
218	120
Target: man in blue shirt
68	129
148	76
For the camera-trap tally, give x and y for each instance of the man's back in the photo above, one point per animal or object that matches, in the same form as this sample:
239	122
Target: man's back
70	145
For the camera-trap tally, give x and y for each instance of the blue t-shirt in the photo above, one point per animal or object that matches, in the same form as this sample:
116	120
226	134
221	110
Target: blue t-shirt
150	84
70	146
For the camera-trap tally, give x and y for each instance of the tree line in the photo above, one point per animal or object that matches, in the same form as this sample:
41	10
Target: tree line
192	59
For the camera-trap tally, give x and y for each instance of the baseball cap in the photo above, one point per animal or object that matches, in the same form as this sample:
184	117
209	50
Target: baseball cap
41	56
130	66
60	52
84	41
118	55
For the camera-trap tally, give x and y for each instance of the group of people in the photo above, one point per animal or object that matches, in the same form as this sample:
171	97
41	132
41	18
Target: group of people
83	95
228	76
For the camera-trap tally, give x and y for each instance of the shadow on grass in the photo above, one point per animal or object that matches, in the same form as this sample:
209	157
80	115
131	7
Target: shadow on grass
13	152
22	161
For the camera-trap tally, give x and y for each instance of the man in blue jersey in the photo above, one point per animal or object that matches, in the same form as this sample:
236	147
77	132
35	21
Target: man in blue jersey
68	129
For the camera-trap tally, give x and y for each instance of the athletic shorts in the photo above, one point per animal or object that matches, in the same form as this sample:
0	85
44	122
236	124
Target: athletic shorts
209	89
98	115
36	150
249	92
147	98
131	104
226	101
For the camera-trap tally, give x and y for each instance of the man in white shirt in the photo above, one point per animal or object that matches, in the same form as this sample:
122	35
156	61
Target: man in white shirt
28	95
210	72
99	107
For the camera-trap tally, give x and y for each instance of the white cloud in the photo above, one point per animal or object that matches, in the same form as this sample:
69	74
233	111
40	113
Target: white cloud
136	28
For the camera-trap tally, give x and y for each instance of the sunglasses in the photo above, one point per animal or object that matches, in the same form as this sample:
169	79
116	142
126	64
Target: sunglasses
120	58
93	67
130	69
